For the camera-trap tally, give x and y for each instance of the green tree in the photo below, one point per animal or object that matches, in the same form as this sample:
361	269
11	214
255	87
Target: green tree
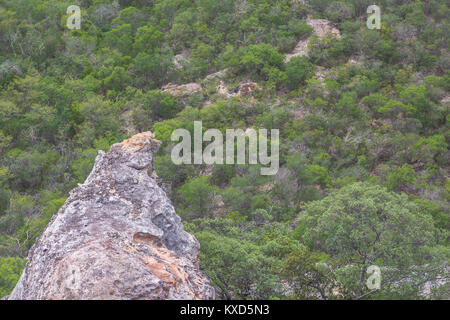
400	178
298	69
197	197
5	192
120	38
151	71
263	61
309	275
362	225
148	39
240	269
10	271
339	11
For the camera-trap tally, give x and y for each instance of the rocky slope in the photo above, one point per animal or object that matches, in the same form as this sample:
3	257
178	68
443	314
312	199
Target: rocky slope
321	27
116	237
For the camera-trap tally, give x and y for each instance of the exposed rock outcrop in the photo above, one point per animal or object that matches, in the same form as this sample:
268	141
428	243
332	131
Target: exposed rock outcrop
116	237
217	75
180	60
182	89
222	90
246	89
322	27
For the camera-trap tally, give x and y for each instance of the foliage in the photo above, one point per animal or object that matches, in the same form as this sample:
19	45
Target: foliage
362	225
10	271
363	122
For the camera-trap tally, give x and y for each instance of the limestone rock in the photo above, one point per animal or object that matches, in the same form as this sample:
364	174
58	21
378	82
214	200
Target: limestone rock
181	59
217	75
116	237
246	89
322	27
222	89
182	89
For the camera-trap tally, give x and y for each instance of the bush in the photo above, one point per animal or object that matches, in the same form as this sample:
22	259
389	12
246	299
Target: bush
298	69
262	61
339	11
10	271
196	198
362	225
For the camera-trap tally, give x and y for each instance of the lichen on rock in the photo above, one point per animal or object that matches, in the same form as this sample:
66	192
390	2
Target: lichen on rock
116	237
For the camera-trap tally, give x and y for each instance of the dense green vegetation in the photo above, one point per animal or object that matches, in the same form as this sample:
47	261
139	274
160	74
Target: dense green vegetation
364	155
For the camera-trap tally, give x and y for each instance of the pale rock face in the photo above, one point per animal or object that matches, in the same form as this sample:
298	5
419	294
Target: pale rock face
322	27
116	237
182	89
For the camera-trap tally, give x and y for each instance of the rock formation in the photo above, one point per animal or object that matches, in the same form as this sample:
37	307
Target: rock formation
182	89
116	237
322	27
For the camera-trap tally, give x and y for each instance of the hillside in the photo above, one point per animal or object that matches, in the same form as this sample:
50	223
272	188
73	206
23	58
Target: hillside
362	114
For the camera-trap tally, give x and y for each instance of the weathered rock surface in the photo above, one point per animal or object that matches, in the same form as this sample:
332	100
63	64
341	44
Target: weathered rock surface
245	89
182	89
116	237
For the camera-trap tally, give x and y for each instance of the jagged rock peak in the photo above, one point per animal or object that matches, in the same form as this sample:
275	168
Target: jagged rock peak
116	237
